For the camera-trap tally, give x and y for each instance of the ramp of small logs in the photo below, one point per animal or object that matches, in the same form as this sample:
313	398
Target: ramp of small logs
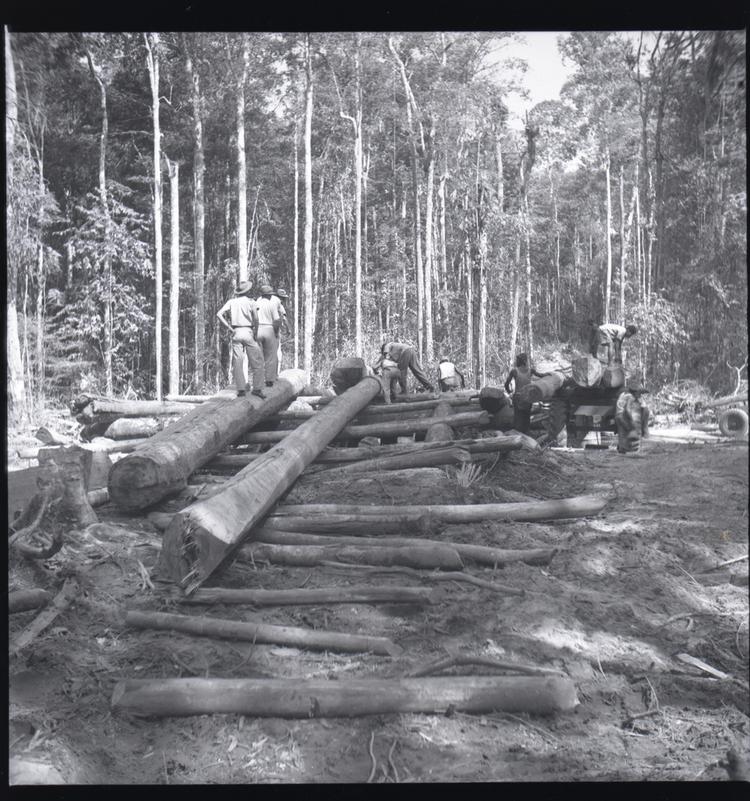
162	464
202	536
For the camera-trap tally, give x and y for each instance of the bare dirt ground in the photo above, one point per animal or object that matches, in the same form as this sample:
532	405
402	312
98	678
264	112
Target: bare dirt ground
628	591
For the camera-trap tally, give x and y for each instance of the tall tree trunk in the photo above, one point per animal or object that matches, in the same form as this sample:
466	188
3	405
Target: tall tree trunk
40	288
482	372
153	71
622	246
443	252
469	310
199	215
428	249
174	278
638	238
608	279
308	287
516	302
358	204
527	255
241	164
295	258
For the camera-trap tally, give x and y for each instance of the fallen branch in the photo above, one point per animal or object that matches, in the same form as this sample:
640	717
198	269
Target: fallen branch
24	600
262	633
483	661
306	698
59	604
324	595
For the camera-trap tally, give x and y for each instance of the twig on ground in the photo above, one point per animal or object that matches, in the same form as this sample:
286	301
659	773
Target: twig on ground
390	761
684	615
504	715
166	774
648	713
695	581
374	761
654	696
728	562
453	661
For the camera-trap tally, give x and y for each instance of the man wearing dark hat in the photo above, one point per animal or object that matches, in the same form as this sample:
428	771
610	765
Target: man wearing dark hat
631	417
269	322
244	327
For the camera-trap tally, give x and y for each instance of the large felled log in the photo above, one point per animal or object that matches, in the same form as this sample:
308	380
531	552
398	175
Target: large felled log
541	389
201	537
323	595
441	430
135	427
480	554
161	466
125	408
578	506
385	429
317	639
392	523
493	399
423	458
24	600
345	697
457	396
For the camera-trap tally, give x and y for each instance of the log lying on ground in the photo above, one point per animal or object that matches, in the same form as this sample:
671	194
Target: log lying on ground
384	429
161	466
493	399
725	401
481	554
59	604
541	389
262	633
126	408
441	430
323	595
201	537
577	506
423	458
393	523
24	600
100	444
135	427
305	698
458	396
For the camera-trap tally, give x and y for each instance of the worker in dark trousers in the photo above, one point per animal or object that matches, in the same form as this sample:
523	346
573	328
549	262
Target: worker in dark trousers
521	376
406	359
244	328
605	341
449	376
631	417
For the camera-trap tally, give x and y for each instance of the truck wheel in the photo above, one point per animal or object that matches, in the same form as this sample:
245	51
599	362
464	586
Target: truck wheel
557	418
734	423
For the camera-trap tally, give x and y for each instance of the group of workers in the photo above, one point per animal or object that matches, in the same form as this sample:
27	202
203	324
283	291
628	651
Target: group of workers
256	324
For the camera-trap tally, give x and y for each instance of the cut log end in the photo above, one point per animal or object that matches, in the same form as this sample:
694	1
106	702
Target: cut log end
137	482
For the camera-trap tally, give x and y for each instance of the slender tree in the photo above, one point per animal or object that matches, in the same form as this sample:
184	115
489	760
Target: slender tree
308	285
174	277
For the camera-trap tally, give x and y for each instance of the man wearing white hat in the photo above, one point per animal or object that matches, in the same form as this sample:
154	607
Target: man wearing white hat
269	323
244	327
279	296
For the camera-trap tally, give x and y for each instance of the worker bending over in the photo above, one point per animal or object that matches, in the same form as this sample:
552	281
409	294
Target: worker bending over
631	417
406	359
449	376
605	341
244	327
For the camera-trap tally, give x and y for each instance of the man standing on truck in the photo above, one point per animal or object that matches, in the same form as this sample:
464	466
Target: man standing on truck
631	417
605	341
521	376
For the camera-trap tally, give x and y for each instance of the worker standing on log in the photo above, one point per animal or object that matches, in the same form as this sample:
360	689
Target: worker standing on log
390	377
279	296
406	359
449	376
269	323
605	341
631	417
244	328
521	376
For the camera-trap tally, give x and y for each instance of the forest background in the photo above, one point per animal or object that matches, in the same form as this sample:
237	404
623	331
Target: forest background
376	177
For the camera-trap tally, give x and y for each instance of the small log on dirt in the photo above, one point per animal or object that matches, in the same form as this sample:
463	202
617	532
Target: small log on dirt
201	537
441	431
385	429
24	600
577	506
541	389
162	465
323	595
366	523
316	639
59	604
135	427
481	554
126	408
419	557
322	698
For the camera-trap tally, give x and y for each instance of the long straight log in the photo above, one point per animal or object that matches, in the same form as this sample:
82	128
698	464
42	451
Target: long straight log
323	595
577	506
725	401
481	554
385	429
202	536
135	427
317	639
458	396
161	466
368	523
100	444
423	458
305	698
134	408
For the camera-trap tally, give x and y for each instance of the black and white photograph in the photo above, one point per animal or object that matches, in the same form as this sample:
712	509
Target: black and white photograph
377	405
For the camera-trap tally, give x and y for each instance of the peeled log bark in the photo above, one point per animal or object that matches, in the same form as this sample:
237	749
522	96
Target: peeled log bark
305	698
441	431
161	466
262	632
324	595
541	389
132	427
126	408
24	600
201	537
578	506
385	429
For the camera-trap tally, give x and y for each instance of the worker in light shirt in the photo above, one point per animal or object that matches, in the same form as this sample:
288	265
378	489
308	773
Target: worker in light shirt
279	296
449	376
269	323
244	327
